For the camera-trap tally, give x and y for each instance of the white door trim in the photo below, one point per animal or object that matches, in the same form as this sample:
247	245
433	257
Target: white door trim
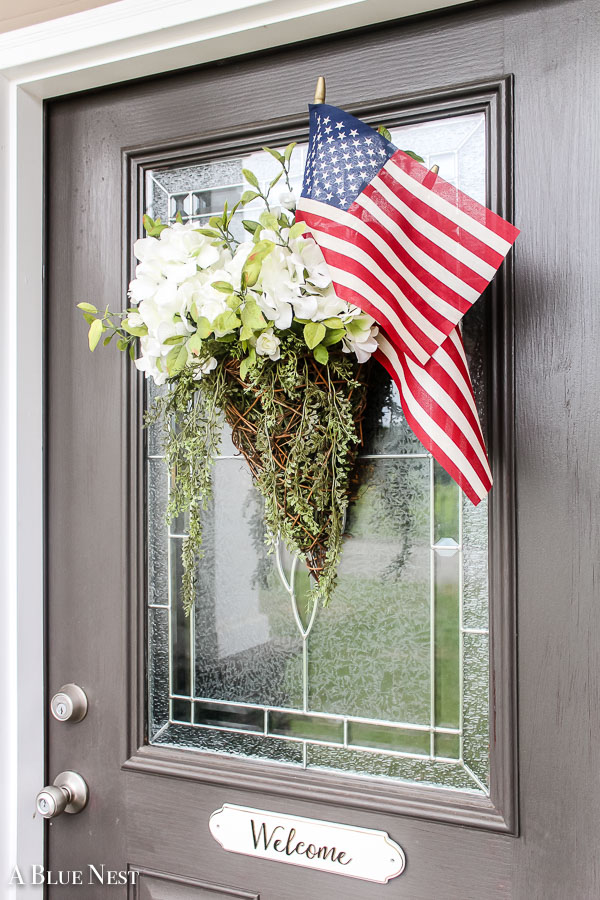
124	40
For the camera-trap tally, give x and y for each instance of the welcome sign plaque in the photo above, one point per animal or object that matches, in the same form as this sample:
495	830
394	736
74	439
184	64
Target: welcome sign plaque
326	846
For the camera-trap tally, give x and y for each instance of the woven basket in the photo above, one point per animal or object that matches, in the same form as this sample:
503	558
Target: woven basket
244	411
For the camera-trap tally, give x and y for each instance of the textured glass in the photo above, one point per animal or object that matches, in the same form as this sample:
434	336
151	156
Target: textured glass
198	738
158	669
158	544
398	767
246	641
369	650
476	740
391	680
475	569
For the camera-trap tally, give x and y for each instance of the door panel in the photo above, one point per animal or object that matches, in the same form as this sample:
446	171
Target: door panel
149	806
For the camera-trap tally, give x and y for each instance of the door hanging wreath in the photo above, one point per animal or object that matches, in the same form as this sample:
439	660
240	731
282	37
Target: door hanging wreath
274	334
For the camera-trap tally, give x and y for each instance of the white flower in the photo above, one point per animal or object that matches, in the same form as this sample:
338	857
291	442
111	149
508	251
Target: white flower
205	367
305	307
362	340
267	344
307	255
288	199
235	265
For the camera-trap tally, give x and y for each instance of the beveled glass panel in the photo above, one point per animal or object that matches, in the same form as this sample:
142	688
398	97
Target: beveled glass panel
391	680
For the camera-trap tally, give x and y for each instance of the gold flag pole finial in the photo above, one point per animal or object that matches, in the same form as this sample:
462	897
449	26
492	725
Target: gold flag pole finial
435	169
320	90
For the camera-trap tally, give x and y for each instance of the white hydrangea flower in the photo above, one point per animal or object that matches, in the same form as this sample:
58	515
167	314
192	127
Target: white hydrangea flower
204	368
362	343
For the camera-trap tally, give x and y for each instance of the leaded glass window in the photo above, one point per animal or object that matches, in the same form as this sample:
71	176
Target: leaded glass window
390	680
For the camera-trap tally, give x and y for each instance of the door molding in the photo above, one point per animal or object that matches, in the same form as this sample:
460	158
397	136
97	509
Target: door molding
499	811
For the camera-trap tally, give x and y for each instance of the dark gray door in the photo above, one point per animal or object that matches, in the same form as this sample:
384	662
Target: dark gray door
396	709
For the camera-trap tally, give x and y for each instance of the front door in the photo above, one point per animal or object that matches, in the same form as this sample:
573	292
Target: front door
396	707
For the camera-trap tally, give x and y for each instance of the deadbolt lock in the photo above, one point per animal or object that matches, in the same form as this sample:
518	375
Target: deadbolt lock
70	704
69	794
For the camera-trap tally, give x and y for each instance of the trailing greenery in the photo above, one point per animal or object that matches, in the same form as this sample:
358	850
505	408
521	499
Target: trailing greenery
302	500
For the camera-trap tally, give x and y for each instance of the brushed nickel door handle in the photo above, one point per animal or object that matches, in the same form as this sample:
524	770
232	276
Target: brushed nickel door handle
69	794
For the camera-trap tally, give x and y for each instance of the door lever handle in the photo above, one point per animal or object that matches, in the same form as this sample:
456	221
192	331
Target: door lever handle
69	794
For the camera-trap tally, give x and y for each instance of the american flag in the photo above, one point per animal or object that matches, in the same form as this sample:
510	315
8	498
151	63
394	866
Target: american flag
414	253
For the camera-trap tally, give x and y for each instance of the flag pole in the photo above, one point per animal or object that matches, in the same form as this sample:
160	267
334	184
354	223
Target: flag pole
320	90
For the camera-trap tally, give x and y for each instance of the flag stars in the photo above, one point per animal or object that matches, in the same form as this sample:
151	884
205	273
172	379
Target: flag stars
353	133
339	125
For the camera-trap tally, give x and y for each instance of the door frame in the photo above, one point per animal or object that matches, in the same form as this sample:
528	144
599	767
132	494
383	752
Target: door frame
124	40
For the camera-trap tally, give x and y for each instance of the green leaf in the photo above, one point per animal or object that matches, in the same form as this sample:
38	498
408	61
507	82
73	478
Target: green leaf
96	329
226	321
122	344
108	339
314	333
245	366
174	340
89	318
153	227
252	316
246	333
414	156
255	259
176	360
87	307
215	222
297	229
178	217
321	354
356	326
268	220
250	226
250	177
194	344
223	286
289	150
278	156
135	330
233	301
332	337
204	327
384	132
194	311
275	180
208	232
333	322
248	196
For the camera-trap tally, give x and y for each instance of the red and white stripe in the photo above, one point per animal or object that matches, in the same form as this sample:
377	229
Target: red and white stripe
438	403
415	253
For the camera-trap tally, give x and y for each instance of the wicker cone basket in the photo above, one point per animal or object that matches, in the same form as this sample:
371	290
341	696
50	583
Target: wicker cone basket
243	413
